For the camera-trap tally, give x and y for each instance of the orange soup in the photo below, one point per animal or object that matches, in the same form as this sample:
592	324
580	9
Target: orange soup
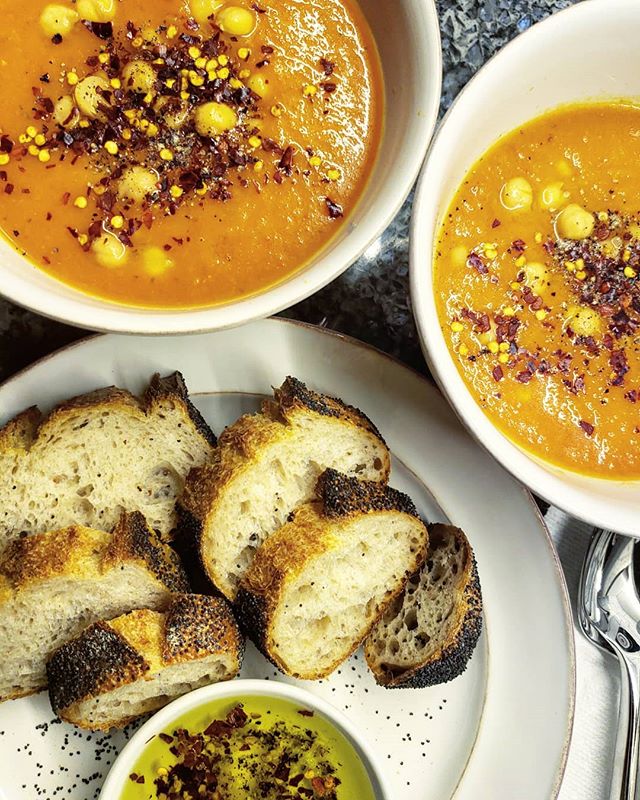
181	154
537	277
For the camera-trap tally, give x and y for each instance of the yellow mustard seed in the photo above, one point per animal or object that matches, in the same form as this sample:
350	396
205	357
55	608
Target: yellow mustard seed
503	358
103	58
244	53
201	62
457	327
310	90
4	159
630	272
244	73
80	202
579	262
185	95
152	130
503	347
570	266
333	174
255	141
32	131
223	60
202	190
117	222
521	261
315	161
626	256
277	110
223	73
44	156
493	347
235	83
126	134
194	51
212	64
258	166
195	79
166	155
172	32
176	191
115	83
24	139
515	286
508	311
581	274
33	150
72	78
463	350
541	314
130	113
111	147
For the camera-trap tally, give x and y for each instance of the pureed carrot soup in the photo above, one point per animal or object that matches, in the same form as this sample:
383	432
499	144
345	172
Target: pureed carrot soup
175	154
538	288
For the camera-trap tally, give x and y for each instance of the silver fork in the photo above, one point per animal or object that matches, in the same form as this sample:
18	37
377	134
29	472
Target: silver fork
609	613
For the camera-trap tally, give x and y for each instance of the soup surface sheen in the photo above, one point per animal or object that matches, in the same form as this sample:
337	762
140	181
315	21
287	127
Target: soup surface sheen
239	199
266	747
537	287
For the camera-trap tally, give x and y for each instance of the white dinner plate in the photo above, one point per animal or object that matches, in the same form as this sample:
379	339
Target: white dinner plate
498	732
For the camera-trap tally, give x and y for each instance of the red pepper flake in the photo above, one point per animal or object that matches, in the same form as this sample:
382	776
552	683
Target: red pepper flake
103	30
496	223
587	427
327	66
497	373
335	209
286	162
477	263
329	86
632	396
8	189
305	712
524	376
65	198
518	246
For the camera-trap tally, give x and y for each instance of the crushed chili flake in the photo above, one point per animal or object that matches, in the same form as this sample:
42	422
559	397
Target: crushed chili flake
587	427
496	223
497	373
335	209
327	66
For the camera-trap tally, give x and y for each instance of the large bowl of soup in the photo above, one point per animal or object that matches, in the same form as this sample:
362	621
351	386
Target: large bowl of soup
525	263
186	165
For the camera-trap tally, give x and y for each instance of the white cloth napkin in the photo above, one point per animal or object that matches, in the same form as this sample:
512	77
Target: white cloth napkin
588	773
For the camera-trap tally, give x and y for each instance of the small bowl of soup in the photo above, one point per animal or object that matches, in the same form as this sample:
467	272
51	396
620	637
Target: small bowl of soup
187	165
246	739
526	261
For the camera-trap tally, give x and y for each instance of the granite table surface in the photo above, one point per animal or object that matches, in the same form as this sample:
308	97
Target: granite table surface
371	300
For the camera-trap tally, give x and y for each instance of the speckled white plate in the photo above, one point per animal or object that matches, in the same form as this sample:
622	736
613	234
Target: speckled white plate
502	729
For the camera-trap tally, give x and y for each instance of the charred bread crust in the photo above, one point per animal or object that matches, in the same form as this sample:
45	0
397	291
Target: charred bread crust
98	660
26	427
302	538
342	495
174	387
294	395
197	626
133	539
453	659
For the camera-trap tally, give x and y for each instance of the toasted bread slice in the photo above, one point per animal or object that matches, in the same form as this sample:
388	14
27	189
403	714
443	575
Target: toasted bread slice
267	464
318	585
428	634
117	670
54	584
98	455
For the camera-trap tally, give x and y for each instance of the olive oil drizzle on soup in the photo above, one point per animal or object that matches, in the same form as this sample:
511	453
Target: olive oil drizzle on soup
537	279
181	154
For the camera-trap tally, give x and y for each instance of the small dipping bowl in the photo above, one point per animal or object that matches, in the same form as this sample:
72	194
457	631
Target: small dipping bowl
234	692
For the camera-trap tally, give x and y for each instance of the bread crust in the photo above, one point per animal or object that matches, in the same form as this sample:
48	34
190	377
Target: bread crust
452	658
87	553
110	654
309	534
242	442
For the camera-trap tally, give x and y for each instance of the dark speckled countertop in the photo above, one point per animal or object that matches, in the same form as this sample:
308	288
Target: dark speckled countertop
371	300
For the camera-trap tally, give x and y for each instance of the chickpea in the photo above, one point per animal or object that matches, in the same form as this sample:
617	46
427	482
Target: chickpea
58	19
258	85
97	10
88	95
137	184
202	10
536	276
65	113
575	222
156	261
584	321
552	197
236	20
517	195
212	119
109	251
174	111
139	76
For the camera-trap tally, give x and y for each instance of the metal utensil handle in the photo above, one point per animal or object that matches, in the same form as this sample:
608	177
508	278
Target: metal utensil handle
624	784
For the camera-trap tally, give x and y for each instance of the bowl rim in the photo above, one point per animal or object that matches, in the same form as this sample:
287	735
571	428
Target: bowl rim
240	687
84	310
541	477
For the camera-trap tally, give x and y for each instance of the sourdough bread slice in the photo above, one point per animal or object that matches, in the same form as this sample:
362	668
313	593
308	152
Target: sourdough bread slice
428	634
265	466
117	670
98	455
52	585
318	585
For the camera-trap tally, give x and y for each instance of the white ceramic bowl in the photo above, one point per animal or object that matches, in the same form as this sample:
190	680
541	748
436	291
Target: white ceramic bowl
123	766
408	39
587	51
